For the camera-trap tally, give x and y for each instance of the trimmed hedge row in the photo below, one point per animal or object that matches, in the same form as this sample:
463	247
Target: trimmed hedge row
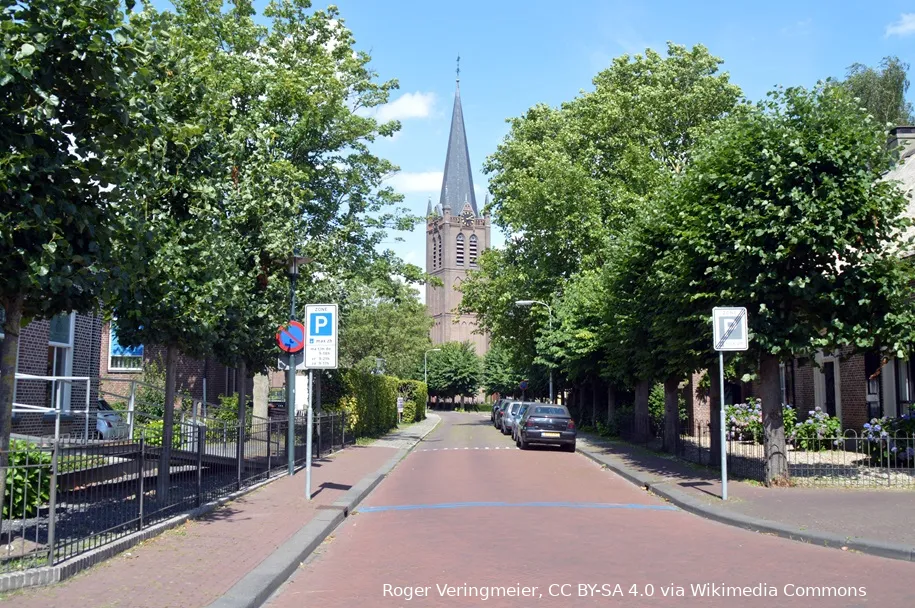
370	402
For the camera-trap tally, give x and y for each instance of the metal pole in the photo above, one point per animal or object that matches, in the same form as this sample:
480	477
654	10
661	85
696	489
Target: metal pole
308	440
290	411
550	310
132	406
290	380
52	505
724	445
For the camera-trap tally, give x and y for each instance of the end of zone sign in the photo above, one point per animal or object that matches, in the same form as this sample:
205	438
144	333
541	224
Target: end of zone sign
321	336
729	328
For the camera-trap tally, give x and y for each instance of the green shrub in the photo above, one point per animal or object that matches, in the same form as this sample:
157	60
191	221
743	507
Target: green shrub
409	412
27	487
415	391
224	419
656	406
370	403
819	431
152	433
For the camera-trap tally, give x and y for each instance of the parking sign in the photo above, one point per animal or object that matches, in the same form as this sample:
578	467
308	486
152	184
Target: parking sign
729	328
321	336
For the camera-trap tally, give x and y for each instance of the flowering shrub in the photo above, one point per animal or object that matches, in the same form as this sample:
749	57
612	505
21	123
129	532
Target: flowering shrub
891	437
818	431
744	421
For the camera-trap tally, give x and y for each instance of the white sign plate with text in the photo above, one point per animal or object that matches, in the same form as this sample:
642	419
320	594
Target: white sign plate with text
321	336
730	328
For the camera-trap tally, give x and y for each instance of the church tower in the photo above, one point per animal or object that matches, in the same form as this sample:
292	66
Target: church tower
456	234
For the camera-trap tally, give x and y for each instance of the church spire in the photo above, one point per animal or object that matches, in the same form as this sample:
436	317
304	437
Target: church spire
457	183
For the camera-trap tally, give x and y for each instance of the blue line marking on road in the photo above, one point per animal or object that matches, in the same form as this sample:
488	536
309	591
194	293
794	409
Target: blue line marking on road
566	505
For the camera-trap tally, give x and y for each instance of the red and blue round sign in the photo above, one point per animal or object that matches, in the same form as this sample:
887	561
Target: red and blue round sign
523	385
291	338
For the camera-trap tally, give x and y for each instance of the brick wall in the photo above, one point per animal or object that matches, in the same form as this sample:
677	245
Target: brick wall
697	402
854	392
190	374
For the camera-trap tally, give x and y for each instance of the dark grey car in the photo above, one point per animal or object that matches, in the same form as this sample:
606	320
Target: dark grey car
546	423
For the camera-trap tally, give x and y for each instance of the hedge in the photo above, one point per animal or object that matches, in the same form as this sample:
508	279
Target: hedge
415	397
370	403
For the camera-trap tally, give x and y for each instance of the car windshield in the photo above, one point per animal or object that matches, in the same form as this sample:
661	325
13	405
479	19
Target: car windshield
104	407
551	411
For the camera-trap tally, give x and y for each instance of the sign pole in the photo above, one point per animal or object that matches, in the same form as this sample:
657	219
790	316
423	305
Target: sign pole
290	413
308	437
724	450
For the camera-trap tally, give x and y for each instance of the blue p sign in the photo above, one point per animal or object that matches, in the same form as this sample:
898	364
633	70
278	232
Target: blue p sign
321	324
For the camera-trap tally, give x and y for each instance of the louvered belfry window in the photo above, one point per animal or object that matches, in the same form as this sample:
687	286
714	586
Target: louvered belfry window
434	252
473	250
441	260
459	250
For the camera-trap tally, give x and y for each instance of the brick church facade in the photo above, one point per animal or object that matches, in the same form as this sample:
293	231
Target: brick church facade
456	234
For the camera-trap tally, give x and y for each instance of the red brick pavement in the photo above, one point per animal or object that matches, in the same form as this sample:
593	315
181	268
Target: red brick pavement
532	546
191	566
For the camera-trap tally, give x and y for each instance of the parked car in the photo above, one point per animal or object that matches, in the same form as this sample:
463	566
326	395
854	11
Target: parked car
509	416
497	421
109	422
517	419
495	406
546	423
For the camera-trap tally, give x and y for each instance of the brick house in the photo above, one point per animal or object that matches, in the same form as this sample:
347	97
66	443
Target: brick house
120	365
81	345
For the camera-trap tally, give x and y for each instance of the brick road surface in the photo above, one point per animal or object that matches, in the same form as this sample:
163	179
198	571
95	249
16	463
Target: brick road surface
191	566
639	541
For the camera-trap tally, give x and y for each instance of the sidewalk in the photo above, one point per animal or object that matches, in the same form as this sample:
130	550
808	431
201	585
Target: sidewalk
193	565
871	521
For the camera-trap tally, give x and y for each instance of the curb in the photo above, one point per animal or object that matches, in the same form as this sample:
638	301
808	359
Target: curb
256	587
754	524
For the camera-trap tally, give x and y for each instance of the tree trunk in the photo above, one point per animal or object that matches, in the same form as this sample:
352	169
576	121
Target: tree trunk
671	413
714	408
594	402
773	421
642	428
241	382
168	426
9	348
611	403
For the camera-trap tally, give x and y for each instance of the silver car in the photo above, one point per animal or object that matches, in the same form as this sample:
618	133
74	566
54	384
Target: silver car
509	416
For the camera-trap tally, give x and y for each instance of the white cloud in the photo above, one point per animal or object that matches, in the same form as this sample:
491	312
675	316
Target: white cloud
903	27
425	181
408	105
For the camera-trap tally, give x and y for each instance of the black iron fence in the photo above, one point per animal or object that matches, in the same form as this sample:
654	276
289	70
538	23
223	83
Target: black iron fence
848	459
65	498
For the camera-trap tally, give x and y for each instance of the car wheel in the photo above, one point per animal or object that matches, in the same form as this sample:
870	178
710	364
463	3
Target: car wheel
570	447
517	441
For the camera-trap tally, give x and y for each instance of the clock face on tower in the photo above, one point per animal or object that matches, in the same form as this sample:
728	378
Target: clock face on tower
468	217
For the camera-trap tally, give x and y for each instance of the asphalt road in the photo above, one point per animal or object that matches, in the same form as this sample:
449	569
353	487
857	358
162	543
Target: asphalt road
469	520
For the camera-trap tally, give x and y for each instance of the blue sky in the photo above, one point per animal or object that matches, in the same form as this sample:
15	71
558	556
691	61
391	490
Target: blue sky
515	54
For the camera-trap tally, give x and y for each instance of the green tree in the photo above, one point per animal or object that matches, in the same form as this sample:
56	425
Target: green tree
882	90
388	322
500	375
455	370
68	115
784	211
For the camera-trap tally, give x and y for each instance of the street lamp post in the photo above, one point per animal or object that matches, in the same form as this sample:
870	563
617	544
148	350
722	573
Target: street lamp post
550	311
295	260
426	370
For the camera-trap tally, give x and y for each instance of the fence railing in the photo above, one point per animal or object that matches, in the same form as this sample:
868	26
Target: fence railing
846	459
63	498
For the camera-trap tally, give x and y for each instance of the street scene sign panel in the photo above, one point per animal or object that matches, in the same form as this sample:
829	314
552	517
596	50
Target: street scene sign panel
730	332
321	336
291	338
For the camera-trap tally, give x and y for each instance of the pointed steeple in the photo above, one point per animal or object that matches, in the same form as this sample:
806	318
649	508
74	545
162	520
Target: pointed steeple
457	183
429	207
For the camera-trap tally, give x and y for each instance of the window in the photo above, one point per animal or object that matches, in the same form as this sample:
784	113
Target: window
473	250
904	379
123	358
459	250
434	252
60	359
441	260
